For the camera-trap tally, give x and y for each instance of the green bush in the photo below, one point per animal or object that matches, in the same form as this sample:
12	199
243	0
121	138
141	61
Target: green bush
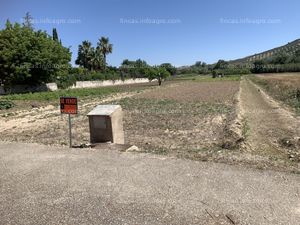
28	56
65	81
6	104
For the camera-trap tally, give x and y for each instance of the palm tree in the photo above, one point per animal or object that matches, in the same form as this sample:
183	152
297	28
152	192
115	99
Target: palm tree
97	59
85	55
104	47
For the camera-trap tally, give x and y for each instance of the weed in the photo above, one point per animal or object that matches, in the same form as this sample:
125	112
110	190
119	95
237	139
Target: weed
245	128
6	104
81	92
284	90
206	78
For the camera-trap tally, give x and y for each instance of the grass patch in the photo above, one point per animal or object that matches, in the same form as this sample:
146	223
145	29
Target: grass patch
82	92
288	94
245	128
6	104
207	78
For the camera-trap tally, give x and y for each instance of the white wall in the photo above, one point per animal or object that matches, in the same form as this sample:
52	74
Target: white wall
88	84
79	84
52	86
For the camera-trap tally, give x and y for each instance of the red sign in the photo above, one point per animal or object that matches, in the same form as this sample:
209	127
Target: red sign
68	105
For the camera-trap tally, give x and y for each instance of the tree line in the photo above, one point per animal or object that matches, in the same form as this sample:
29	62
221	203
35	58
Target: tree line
281	62
30	56
278	63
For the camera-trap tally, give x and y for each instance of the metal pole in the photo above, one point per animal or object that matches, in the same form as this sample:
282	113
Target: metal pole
70	130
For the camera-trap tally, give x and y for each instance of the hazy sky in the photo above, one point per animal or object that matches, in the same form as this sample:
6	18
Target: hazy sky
158	31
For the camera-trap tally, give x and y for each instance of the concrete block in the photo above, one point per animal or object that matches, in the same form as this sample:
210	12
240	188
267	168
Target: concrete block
106	124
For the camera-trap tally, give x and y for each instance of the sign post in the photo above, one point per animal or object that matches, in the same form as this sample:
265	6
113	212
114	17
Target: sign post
70	130
68	105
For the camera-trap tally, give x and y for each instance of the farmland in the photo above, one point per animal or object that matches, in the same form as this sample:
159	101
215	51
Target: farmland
195	117
185	118
283	87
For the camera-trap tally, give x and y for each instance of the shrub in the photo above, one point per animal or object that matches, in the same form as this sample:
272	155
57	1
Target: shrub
65	81
6	104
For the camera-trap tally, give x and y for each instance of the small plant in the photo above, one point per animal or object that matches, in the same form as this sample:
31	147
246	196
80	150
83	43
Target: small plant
65	81
6	104
245	128
298	94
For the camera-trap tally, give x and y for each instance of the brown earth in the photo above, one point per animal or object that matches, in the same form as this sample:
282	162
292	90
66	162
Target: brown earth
156	120
187	119
270	129
210	92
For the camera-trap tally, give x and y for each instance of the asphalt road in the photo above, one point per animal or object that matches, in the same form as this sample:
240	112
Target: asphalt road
47	185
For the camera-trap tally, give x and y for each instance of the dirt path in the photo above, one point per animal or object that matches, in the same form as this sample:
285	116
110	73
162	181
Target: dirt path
271	130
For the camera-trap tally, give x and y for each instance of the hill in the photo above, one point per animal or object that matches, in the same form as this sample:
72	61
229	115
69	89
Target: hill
288	49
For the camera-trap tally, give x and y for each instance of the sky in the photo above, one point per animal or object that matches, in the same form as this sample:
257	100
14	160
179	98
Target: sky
180	32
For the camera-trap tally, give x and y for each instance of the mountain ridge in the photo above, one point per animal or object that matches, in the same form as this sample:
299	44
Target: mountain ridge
289	48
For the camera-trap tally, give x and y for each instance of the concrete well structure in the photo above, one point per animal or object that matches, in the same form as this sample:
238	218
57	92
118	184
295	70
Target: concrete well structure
106	124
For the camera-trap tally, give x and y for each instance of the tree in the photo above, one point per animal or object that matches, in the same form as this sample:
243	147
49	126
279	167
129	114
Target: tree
134	69
93	58
221	64
54	34
97	60
28	21
8	25
168	66
281	58
220	68
30	57
198	64
85	55
159	73
258	66
105	48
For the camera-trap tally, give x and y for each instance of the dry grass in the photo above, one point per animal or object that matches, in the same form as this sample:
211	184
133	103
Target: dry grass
282	87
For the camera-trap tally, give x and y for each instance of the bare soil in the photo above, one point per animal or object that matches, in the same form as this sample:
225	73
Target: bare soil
46	125
231	122
210	92
272	132
156	120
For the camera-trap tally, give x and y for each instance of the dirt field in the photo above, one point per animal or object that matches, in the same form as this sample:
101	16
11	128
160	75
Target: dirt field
184	118
233	122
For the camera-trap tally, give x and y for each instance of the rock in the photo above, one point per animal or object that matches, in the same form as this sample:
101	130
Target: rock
34	105
286	142
133	148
